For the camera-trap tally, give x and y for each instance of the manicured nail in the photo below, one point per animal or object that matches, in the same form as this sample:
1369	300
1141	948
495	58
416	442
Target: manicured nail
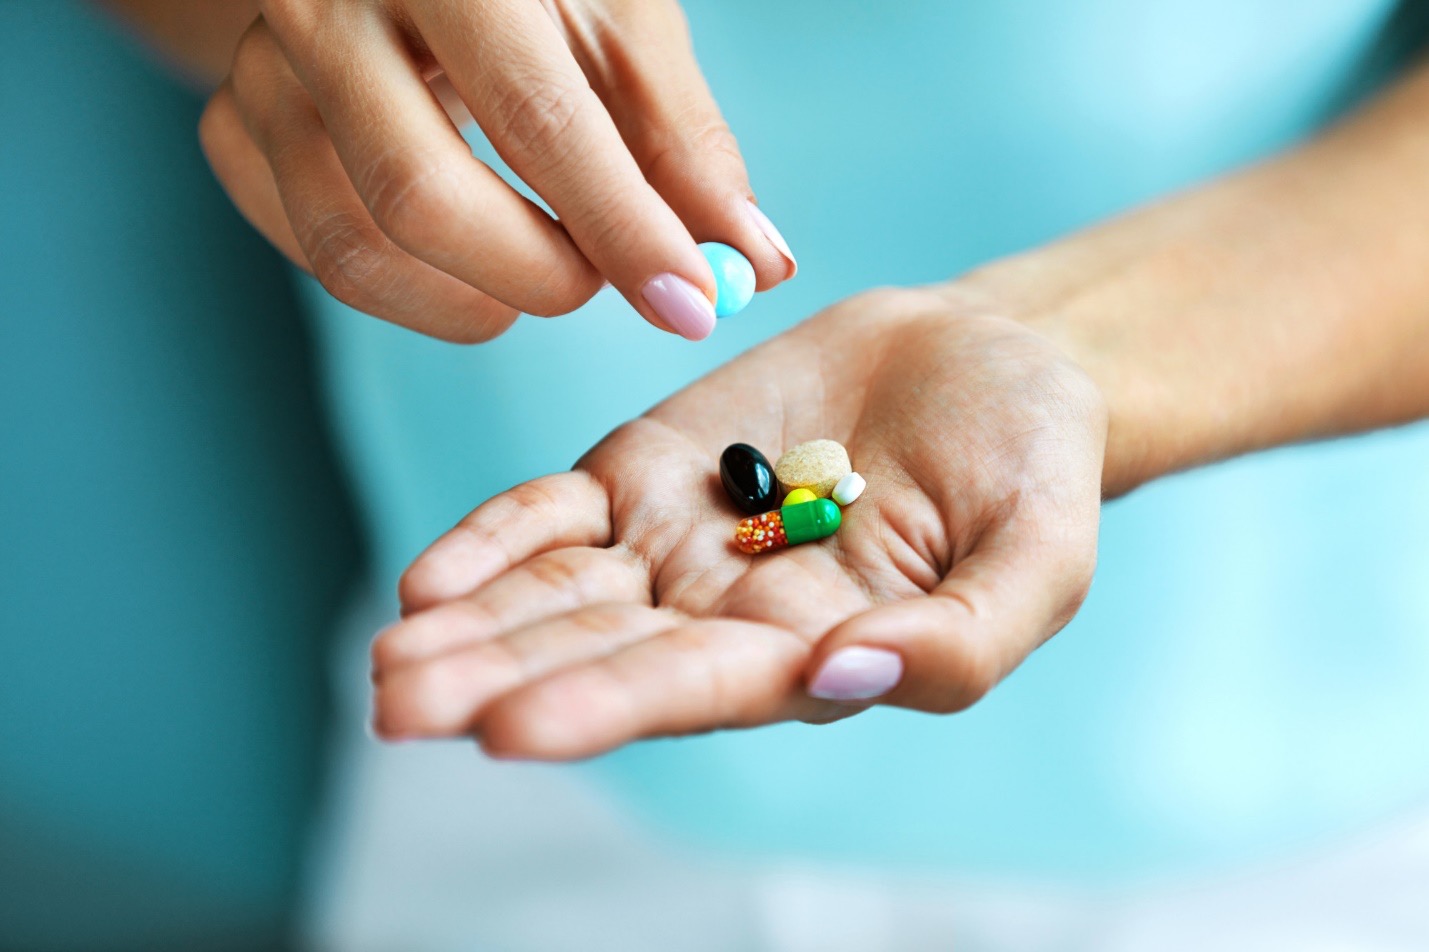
681	305
857	674
777	240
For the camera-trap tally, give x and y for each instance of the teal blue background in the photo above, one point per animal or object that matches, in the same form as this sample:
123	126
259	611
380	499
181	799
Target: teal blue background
174	537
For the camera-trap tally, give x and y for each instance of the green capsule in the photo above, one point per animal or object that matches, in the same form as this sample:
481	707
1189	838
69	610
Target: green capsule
807	521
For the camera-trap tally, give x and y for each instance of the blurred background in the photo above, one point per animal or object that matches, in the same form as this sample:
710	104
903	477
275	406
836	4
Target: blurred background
211	474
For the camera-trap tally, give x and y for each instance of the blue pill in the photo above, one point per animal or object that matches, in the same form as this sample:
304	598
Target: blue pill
734	278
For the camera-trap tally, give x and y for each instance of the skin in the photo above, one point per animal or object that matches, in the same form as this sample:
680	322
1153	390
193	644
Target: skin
197	38
607	607
335	134
991	415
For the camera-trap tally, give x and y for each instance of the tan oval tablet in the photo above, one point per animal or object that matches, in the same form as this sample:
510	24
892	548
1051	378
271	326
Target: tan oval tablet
817	466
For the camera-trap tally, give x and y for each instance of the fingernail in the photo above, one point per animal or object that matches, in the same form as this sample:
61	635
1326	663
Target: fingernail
857	674
777	240
681	305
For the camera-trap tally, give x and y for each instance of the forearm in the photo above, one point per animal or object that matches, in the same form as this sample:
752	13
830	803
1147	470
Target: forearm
197	36
1287	302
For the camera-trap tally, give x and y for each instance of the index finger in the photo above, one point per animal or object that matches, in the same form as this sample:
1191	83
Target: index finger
527	92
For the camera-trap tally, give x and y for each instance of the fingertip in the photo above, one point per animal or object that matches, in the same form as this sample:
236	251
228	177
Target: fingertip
450	567
924	654
856	673
381	724
680	305
421	636
775	239
430	699
382	653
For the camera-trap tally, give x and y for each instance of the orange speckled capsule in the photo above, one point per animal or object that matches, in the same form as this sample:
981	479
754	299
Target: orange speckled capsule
801	522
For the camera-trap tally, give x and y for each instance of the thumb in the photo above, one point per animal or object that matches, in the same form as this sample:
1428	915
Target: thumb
943	652
646	74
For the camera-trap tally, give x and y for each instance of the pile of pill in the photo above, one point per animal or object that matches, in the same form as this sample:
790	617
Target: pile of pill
815	477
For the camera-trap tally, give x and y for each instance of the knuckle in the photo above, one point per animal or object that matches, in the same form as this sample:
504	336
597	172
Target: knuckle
555	572
345	260
404	191
496	662
602	621
714	137
533	501
533	119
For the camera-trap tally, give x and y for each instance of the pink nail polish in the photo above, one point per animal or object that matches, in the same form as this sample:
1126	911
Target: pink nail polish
680	305
857	674
763	223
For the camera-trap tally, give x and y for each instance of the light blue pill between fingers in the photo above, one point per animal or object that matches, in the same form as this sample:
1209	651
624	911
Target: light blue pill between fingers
734	278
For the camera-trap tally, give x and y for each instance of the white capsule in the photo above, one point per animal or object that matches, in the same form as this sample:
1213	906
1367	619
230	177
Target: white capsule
849	488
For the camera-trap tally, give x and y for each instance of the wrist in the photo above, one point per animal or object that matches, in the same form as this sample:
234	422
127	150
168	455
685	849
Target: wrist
1041	293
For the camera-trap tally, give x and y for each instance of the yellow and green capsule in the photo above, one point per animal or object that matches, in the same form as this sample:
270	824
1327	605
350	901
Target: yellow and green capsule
789	525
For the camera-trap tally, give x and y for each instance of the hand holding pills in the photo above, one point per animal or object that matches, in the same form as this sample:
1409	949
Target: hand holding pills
336	136
634	596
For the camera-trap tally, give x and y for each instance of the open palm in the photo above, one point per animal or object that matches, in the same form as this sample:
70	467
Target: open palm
583	610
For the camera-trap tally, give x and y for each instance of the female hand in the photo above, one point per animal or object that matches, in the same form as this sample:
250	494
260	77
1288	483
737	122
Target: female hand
336	135
583	610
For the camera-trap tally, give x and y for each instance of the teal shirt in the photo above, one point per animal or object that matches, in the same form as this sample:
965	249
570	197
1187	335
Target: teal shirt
174	547
1250	671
